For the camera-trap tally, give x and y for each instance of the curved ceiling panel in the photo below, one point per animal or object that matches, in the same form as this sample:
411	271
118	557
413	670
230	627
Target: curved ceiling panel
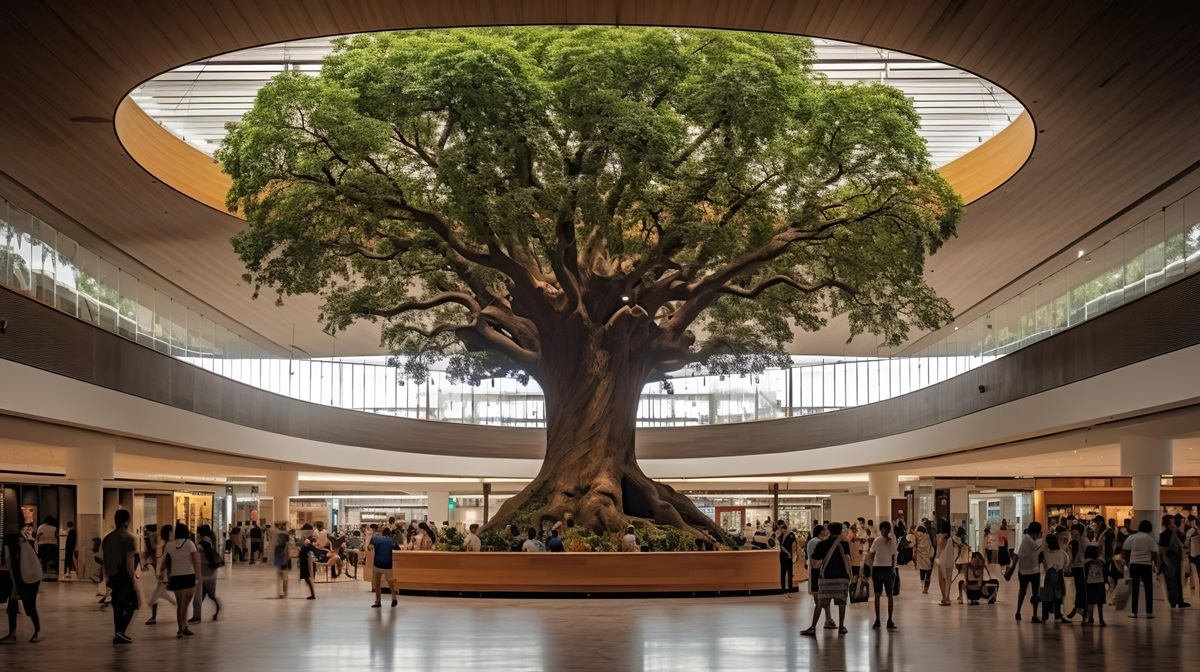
1112	124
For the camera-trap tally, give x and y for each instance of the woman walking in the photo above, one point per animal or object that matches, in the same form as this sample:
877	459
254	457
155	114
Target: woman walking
181	559
281	557
1003	556
990	544
307	561
211	561
882	559
25	572
945	558
923	556
157	590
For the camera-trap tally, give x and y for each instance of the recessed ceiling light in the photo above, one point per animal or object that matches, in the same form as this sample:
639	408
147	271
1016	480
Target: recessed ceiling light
1080	255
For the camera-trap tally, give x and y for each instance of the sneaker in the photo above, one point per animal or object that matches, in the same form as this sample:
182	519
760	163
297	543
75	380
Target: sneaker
830	625
37	637
152	621
376	605
875	626
808	632
122	638
1183	605
891	625
10	638
194	620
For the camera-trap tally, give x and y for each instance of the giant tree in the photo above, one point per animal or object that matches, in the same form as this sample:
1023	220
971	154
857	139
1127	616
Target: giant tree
591	208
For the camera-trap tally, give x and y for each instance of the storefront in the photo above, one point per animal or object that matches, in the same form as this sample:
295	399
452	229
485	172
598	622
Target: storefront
1112	498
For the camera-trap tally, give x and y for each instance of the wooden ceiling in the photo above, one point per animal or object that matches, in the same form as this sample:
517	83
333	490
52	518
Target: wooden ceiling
1112	88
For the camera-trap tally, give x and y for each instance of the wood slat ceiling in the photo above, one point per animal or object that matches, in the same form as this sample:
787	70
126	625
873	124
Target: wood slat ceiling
1112	87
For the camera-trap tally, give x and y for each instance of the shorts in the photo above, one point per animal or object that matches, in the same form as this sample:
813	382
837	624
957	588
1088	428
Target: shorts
182	582
883	577
1096	593
814	582
385	575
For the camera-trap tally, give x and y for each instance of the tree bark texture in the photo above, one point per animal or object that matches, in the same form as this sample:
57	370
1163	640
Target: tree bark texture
590	471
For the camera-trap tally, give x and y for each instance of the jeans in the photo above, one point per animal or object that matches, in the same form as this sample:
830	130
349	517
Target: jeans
1028	581
786	573
1143	576
205	587
124	601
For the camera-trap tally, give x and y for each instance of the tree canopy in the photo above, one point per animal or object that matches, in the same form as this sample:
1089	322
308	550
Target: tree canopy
695	193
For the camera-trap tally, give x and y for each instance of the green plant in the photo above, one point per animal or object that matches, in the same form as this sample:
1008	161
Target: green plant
665	539
451	540
494	540
583	540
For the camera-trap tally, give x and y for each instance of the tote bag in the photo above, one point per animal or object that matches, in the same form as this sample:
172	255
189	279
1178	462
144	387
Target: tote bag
31	567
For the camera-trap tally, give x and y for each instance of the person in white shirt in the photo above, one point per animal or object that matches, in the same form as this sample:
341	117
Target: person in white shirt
1141	552
882	559
321	537
532	545
473	544
629	542
181	559
1028	573
1193	546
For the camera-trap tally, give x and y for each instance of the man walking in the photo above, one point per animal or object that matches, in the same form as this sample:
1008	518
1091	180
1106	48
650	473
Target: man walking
119	549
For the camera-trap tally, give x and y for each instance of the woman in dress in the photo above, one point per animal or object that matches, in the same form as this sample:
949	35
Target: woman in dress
154	582
923	556
944	559
990	544
181	560
1003	558
25	578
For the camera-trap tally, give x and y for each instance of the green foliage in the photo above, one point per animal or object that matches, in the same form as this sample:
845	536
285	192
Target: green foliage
483	190
451	540
494	540
664	539
583	540
523	517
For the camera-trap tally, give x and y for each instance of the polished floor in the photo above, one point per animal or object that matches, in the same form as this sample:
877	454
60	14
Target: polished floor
339	631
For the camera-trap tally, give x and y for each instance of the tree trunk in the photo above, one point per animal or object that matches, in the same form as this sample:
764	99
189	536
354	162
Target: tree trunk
590	471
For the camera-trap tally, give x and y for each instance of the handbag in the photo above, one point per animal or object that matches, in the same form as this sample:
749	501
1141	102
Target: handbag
834	589
862	590
1008	571
895	581
31	567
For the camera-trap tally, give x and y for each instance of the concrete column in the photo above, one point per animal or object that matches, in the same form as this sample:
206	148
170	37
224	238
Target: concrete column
883	485
487	510
281	486
1146	460
439	507
88	467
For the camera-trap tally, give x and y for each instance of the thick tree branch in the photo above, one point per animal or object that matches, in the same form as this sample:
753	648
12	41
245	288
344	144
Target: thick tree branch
461	298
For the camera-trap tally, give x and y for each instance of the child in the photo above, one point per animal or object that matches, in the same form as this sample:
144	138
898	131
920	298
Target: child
307	561
1094	578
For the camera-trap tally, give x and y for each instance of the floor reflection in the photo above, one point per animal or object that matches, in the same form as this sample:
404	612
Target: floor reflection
339	630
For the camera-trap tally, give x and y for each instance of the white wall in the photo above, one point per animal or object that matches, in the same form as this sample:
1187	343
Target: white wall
850	507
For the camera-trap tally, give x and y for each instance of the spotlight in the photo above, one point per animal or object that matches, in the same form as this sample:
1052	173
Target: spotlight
1080	255
625	298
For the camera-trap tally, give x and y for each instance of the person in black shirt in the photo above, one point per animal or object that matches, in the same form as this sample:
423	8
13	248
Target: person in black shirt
69	550
256	543
786	543
831	559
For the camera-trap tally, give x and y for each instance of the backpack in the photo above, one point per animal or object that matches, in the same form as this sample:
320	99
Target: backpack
210	555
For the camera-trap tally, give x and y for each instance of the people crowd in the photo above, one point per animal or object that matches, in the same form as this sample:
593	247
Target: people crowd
1071	569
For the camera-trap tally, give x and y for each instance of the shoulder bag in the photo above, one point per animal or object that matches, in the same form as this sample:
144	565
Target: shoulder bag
831	589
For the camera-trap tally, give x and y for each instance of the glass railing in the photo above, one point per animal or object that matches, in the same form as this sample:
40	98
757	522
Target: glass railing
47	265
